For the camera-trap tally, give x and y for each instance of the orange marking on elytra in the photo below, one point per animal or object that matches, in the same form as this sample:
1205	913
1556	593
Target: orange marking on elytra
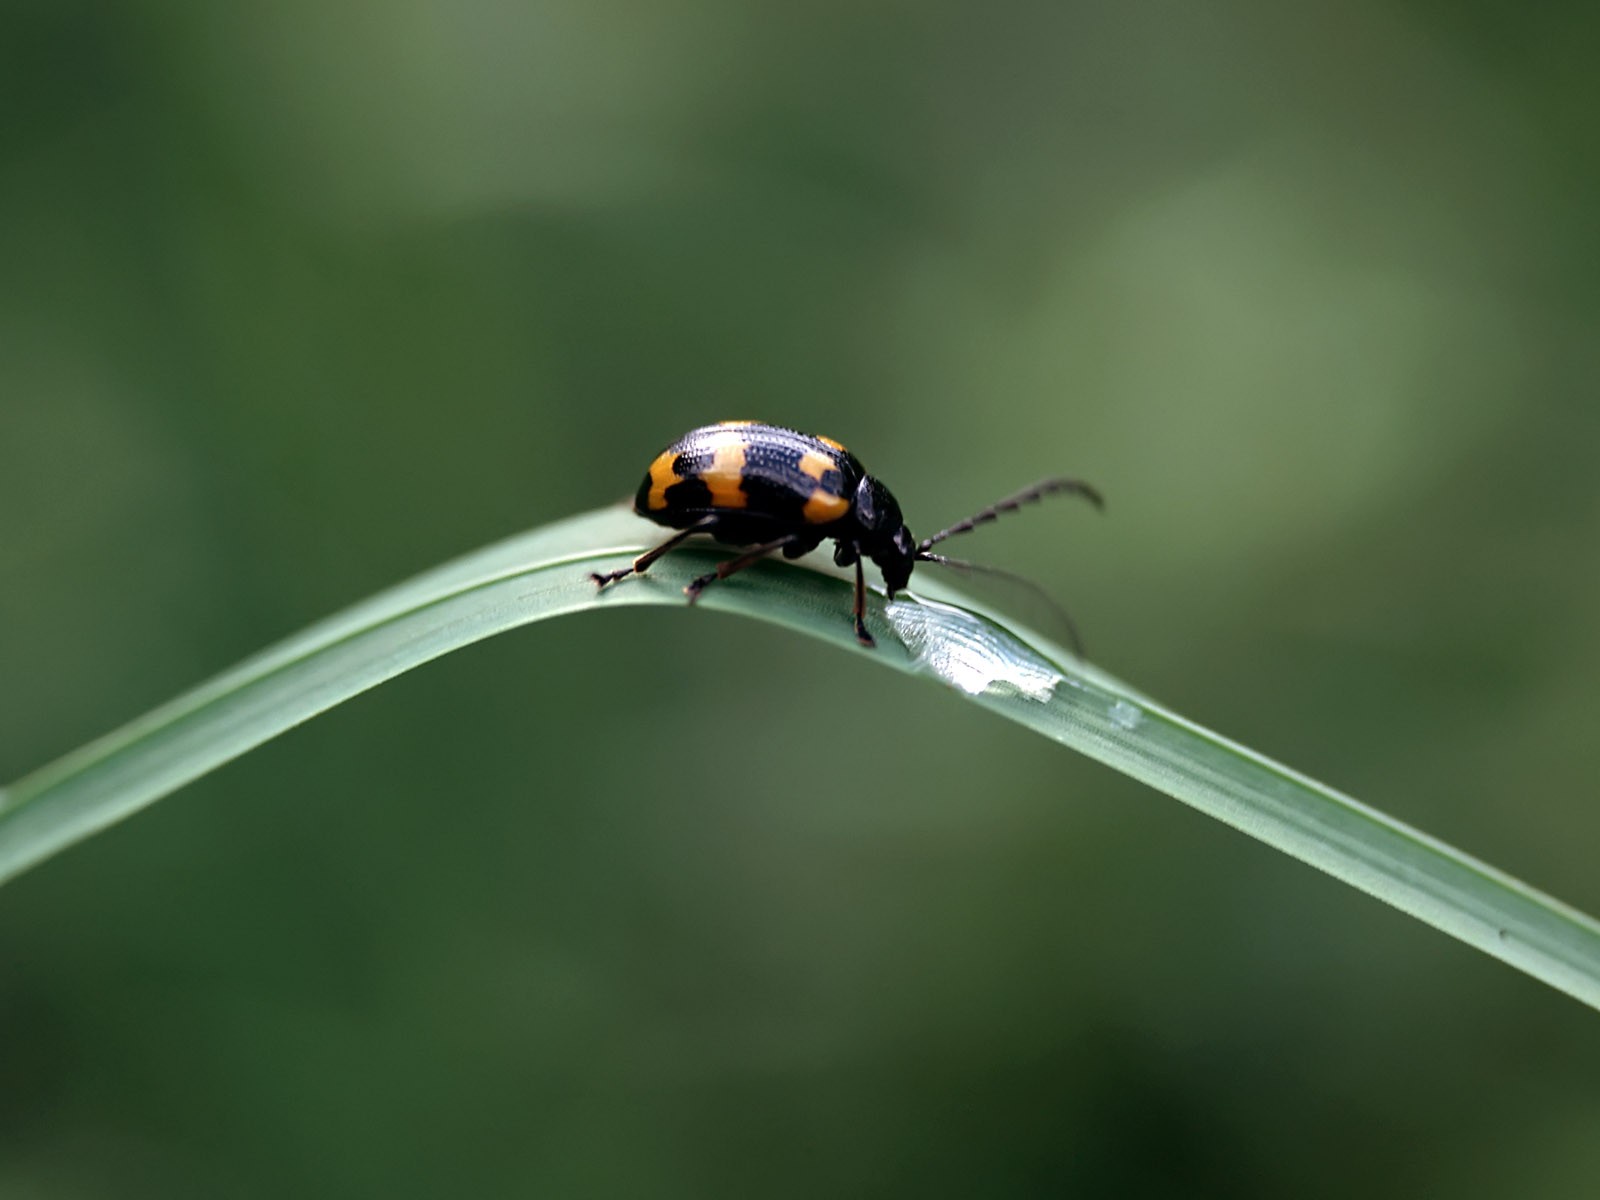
662	476
725	475
824	507
816	465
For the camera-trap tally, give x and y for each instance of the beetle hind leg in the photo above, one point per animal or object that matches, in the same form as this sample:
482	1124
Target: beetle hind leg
642	564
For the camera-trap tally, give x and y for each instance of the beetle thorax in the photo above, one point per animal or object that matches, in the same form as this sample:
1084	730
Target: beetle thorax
883	535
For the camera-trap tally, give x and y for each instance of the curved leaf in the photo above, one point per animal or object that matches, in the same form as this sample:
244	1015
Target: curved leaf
545	573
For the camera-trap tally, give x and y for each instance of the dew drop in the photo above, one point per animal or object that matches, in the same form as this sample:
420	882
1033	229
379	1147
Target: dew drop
1125	716
968	653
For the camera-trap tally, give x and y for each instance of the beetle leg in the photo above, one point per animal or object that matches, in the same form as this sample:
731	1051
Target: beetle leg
860	611
733	565
642	563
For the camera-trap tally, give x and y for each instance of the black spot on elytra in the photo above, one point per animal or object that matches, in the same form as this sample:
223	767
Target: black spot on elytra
688	495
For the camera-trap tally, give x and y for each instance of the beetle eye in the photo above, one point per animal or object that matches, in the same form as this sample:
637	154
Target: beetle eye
904	543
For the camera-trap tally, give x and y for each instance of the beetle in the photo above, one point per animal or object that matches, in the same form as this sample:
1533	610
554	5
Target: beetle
768	489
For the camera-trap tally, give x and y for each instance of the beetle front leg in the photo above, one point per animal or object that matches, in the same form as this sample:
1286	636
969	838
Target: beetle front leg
860	610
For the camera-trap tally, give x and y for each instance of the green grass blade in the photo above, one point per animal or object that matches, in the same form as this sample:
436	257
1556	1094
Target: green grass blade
546	573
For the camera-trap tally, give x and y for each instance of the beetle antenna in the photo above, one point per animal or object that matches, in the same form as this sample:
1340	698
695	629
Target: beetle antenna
1062	615
1038	491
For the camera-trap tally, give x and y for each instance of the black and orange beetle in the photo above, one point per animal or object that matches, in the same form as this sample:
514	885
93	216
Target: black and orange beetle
766	488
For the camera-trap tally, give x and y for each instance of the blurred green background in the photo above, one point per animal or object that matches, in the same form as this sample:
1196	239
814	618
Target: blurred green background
297	299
